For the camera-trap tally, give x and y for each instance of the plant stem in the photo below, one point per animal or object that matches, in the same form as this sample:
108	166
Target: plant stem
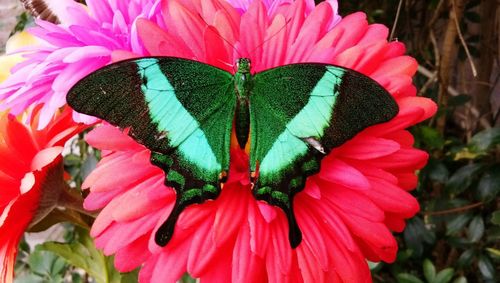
453	210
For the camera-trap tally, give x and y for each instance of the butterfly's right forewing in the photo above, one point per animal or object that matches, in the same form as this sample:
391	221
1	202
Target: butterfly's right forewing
298	114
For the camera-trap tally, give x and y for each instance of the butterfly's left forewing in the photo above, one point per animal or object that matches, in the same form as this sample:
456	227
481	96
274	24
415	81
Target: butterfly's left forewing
298	113
180	109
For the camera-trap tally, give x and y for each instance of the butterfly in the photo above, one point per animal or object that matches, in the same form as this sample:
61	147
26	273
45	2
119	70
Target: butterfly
184	111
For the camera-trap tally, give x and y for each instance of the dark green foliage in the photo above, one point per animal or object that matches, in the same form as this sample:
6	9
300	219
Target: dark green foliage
458	226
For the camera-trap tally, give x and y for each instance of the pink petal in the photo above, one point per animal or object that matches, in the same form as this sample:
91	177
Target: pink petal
280	246
133	255
314	27
368	148
175	259
203	250
105	135
246	266
159	42
86	52
188	26
229	216
259	231
339	172
392	198
355	203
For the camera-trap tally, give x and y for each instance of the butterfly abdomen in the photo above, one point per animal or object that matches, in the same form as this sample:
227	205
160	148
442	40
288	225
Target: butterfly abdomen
242	125
243	82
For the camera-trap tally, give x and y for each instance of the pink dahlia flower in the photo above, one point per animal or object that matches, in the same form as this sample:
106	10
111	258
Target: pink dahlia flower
31	178
82	43
346	212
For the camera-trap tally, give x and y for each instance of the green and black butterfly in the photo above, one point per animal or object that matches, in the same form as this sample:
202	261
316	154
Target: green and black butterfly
184	111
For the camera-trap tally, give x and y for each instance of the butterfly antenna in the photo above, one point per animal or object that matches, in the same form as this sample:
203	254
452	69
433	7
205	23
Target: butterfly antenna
270	37
220	36
226	63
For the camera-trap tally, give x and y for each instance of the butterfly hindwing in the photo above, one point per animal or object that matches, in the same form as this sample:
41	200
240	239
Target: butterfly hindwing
180	109
298	113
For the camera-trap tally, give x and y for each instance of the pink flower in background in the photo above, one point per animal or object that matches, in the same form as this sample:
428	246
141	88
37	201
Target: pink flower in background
83	43
86	39
31	178
346	212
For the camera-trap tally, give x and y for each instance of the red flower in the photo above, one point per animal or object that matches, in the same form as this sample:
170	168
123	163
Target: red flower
31	178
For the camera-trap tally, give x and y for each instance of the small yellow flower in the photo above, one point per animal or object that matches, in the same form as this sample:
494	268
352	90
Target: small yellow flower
17	41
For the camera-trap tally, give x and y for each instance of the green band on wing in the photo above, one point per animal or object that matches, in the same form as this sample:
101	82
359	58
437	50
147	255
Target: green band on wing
311	121
314	118
182	130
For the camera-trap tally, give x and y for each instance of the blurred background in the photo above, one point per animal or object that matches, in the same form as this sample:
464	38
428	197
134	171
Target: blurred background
456	236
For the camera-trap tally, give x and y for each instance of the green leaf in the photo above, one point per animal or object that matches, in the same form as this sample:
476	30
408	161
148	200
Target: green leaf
476	229
29	278
187	279
429	270
88	165
130	277
463	152
459	100
431	137
416	234
407	278
462	178
437	171
76	278
404	255
83	254
444	276
466	258
374	265
489	185
486	267
493	234
495	217
486	139
72	160
457	223
460	279
494	253
23	21
46	265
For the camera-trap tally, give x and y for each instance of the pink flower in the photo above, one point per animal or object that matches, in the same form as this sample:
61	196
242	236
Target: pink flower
273	5
346	212
83	43
31	178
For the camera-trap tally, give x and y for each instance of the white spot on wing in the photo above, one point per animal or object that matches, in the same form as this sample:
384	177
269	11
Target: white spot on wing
315	143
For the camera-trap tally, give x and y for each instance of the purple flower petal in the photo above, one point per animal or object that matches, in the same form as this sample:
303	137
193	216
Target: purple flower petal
82	43
87	52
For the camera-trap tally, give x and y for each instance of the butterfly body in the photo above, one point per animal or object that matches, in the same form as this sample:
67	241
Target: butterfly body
243	87
184	111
